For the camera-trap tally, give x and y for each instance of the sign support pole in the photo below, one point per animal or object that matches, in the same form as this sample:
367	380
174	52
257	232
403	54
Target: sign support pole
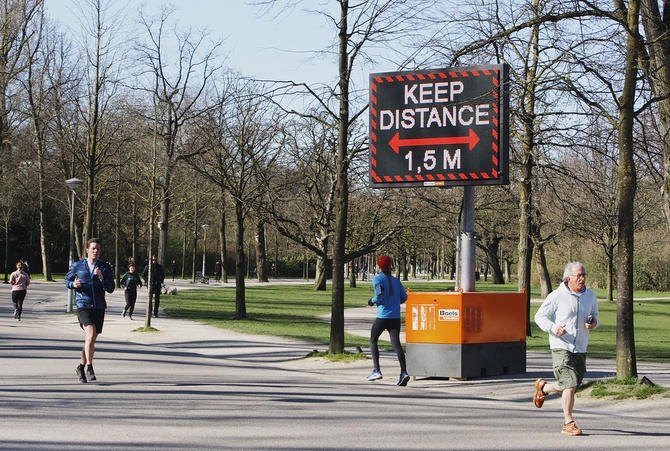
468	247
458	257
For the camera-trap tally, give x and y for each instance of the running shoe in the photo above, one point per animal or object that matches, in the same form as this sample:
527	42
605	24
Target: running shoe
571	429
79	371
375	375
404	379
538	399
90	374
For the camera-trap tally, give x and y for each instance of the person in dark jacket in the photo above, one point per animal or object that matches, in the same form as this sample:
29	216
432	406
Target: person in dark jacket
129	282
175	270
155	283
90	278
217	271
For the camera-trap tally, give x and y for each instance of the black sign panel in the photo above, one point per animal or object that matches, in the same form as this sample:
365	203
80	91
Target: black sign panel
439	127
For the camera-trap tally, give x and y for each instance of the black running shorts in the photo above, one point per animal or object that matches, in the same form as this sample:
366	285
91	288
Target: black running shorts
91	317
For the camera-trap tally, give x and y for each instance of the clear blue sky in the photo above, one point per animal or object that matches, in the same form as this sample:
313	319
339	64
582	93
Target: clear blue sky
262	47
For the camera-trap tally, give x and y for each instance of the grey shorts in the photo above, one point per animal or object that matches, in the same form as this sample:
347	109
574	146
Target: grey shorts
569	367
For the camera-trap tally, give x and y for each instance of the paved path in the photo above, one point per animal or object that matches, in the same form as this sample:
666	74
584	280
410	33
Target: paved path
194	387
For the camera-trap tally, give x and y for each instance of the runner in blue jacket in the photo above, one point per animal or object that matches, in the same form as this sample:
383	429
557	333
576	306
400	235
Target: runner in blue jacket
389	294
90	278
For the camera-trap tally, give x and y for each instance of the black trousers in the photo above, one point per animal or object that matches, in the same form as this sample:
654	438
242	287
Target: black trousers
17	299
155	294
131	298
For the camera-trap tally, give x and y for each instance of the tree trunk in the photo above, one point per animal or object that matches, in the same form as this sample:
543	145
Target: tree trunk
493	261
261	256
194	250
222	237
542	271
117	223
163	225
341	197
240	261
6	227
184	242
609	253
525	242
321	274
403	262
87	231
528	162
627	185
45	243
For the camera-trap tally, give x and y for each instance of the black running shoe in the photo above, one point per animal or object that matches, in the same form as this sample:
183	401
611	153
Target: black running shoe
404	378
90	375
79	371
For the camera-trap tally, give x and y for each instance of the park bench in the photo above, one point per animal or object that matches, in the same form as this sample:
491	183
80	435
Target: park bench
200	278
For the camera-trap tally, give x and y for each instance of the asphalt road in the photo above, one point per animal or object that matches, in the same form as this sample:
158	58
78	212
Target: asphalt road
194	387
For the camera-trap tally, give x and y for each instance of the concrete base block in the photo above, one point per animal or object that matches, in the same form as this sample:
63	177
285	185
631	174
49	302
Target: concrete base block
465	361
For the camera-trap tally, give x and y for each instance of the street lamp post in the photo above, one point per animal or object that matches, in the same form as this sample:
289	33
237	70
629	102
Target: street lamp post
204	248
73	184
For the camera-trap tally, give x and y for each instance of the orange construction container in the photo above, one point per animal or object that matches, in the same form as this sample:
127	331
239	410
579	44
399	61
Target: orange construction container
465	334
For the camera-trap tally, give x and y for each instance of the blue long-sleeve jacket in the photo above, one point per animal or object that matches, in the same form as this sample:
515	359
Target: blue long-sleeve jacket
91	293
389	294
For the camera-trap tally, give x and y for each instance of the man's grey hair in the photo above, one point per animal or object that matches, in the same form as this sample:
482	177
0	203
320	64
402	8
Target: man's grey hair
570	268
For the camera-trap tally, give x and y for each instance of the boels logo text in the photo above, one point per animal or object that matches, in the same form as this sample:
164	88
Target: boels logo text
448	315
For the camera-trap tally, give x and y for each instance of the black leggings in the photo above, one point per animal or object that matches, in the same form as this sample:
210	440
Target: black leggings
393	326
17	299
131	298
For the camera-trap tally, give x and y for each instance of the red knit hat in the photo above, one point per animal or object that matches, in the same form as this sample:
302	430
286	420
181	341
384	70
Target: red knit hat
385	262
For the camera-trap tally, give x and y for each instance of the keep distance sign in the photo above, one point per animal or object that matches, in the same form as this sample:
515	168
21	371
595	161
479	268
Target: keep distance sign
439	127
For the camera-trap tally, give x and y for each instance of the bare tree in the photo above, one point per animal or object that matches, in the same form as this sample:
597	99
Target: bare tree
586	191
99	85
15	32
40	57
238	140
300	201
176	84
357	25
654	51
16	29
495	221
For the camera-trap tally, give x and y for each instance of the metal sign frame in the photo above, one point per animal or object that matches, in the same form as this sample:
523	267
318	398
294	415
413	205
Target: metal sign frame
440	127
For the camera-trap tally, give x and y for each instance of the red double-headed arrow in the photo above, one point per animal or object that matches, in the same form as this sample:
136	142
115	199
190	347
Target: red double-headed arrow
396	143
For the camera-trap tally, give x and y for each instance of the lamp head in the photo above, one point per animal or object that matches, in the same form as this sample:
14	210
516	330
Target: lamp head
74	183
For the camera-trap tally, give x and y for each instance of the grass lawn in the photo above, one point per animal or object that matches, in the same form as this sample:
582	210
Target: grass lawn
291	311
